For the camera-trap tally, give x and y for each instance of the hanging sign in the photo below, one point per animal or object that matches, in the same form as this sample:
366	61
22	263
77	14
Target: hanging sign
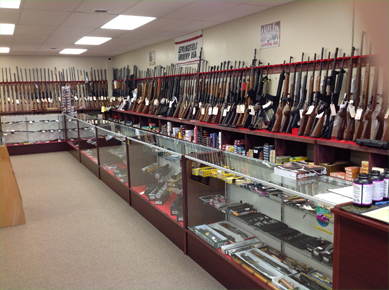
270	35
152	57
187	48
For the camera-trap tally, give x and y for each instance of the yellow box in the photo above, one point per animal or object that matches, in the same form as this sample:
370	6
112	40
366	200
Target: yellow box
207	172
225	175
196	171
298	158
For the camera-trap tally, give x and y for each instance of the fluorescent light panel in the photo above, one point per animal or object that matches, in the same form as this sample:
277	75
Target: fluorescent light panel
7	29
72	51
127	22
89	40
13	4
4	49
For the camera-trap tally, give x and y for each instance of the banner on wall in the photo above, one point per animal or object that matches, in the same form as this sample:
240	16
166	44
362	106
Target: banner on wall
187	48
270	35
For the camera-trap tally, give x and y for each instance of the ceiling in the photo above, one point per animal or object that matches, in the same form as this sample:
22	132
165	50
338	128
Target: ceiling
46	27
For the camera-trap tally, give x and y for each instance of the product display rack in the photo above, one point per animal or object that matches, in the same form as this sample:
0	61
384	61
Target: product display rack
117	154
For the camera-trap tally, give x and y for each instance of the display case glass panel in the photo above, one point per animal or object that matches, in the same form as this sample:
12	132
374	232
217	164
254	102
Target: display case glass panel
88	145
72	131
232	199
32	129
112	154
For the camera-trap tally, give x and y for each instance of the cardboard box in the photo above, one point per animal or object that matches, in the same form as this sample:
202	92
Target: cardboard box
199	230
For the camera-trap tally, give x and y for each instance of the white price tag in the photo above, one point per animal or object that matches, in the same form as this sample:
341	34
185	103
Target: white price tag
301	113
194	111
38	101
228	108
75	97
352	89
156	102
210	111
351	109
17	102
266	105
215	110
333	110
105	98
163	101
200	104
310	110
171	104
252	111
318	116
113	99
147	102
94	98
224	112
202	111
343	105
9	100
358	115
59	99
49	100
243	108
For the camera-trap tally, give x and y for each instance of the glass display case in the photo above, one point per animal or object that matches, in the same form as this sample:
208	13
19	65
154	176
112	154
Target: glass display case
72	131
279	229
32	129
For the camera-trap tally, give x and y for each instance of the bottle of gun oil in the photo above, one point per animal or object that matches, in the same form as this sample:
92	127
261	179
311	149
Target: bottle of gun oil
385	175
363	190
378	185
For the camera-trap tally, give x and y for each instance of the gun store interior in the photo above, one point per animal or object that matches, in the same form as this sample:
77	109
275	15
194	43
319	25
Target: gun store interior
238	144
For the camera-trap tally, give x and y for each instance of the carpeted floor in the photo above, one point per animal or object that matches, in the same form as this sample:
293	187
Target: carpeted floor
80	235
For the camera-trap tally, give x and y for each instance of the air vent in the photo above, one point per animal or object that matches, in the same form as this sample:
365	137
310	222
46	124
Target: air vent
101	11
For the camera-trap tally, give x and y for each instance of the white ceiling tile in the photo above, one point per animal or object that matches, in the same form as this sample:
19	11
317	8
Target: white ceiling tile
200	9
26	46
9	15
34	30
79	19
57	5
115	7
33	17
169	35
235	12
62	39
155	8
70	31
20	53
46	52
162	24
139	34
6	40
271	3
106	33
194	26
29	38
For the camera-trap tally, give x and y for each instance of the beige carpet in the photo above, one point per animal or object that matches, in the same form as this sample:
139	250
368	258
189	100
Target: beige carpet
80	235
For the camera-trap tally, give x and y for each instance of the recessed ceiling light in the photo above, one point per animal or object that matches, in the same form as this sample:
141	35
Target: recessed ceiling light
7	29
89	40
101	11
72	51
13	4
4	49
127	22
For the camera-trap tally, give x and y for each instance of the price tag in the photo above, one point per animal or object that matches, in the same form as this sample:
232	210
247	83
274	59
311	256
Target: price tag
252	111
243	108
171	104
200	104
333	110
194	111
105	98
343	105
49	100
351	109
202	111
310	110
113	99
163	101
266	105
75	97
224	112
237	109
38	101
156	102
94	98
210	111
59	99
301	113
9	100
358	115
17	102
228	108
147	102
135	93
318	116
215	110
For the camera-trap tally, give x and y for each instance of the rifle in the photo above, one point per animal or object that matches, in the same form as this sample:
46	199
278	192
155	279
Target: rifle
382	115
278	114
26	91
370	107
295	111
289	101
20	91
359	116
324	98
342	111
304	116
17	94
258	111
350	127
4	85
312	109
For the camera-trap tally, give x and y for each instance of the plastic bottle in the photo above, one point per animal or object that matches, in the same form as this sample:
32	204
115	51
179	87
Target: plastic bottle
385	175
363	190
378	185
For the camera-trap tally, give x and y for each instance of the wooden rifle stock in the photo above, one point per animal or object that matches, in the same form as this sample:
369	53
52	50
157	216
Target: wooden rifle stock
380	118
363	106
282	105
366	132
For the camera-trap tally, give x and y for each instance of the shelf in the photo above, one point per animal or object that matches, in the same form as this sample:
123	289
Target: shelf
165	208
94	159
36	143
122	166
31	112
305	253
